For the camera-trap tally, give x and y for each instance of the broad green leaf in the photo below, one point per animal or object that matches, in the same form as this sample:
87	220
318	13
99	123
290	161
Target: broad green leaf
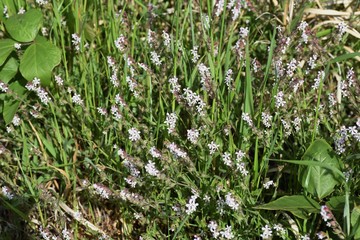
11	105
355	222
337	203
6	47
318	180
9	70
299	205
24	27
39	60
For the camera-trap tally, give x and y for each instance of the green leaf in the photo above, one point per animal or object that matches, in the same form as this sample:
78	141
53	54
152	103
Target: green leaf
299	205
39	60
318	180
11	105
355	222
337	203
6	47
24	27
9	70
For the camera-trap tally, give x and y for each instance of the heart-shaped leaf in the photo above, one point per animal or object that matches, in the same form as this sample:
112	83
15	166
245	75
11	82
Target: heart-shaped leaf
24	27
318	180
39	60
299	205
9	70
6	47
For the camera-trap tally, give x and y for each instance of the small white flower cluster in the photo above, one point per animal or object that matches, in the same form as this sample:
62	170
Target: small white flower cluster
228	78
291	66
219	7
194	53
66	234
279	100
76	40
280	230
17	46
225	233
155	58
119	100
297	84
132	85
120	43
302	27
236	8
4	87
246	117
193	99
129	165
40	92
204	74
154	152
226	157
213	147
113	78
167	39
193	135
5	12
312	61
131	180
341	27
231	202
115	111
170	121
151	169
16	120
174	85
134	134
192	204
240	165
340	140
244	32
174	149
296	122
266	232
287	127
266	119
101	111
350	77
44	31
77	99
269	183
41	2
101	190
6	192
59	81
45	234
320	76
21	10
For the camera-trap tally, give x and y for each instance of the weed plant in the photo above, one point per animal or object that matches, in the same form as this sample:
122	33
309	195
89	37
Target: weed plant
181	120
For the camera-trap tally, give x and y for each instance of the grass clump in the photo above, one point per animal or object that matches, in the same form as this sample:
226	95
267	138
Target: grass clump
183	120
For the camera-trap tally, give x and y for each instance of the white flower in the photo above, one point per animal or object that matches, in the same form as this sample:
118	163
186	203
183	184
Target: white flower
167	39
134	134
268	184
266	119
231	202
226	158
7	192
16	120
155	58
59	81
120	43
213	147
227	233
279	101
194	53
193	135
17	46
191	205
101	190
76	99
154	152
267	233
151	169
170	121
